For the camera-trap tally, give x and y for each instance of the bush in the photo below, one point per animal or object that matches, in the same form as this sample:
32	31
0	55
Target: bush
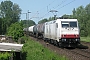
16	31
4	56
35	51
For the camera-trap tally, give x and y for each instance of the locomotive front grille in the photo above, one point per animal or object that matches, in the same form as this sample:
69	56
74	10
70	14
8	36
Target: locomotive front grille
63	40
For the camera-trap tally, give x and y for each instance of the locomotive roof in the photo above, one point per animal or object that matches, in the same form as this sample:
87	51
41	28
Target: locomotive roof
53	21
67	19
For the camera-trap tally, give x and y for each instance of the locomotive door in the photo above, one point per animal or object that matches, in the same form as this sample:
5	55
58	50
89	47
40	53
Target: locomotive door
49	31
58	32
54	31
56	28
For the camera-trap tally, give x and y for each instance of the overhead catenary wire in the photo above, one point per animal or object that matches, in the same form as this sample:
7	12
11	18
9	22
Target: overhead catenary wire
66	4
47	9
35	15
58	8
43	8
44	16
60	4
49	5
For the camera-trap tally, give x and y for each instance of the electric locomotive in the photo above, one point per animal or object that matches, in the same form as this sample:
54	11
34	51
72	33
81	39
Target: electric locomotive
63	32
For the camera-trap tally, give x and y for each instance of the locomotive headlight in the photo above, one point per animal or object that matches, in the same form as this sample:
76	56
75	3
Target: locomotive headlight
76	39
63	40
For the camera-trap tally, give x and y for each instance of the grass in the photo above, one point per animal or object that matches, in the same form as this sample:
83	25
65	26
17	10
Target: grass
35	51
5	56
86	39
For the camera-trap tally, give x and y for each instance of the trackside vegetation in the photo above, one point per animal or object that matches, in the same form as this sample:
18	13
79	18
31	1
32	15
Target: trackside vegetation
86	39
5	56
15	30
11	25
33	50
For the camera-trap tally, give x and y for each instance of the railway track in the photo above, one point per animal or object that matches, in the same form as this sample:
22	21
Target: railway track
84	53
72	54
86	43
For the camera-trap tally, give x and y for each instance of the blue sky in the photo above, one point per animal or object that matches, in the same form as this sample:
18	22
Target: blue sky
40	8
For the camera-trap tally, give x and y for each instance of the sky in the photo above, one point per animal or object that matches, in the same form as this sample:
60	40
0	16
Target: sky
40	9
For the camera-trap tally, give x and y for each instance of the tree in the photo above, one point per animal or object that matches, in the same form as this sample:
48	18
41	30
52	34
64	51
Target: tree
51	18
87	10
5	56
31	22
74	13
83	16
1	25
15	30
42	21
67	16
10	13
27	23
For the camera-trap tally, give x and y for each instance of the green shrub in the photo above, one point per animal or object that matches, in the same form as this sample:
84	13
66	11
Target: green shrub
16	31
86	39
35	51
5	56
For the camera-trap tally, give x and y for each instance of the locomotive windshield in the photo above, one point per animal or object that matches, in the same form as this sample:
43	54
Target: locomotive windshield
69	24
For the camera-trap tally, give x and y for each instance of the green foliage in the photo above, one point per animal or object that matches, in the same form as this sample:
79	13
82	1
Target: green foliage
1	25
67	16
51	18
86	39
42	21
83	16
15	30
22	40
35	51
27	23
10	13
5	56
46	20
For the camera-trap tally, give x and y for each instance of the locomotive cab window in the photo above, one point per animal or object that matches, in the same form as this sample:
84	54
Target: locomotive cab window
69	24
65	24
73	24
